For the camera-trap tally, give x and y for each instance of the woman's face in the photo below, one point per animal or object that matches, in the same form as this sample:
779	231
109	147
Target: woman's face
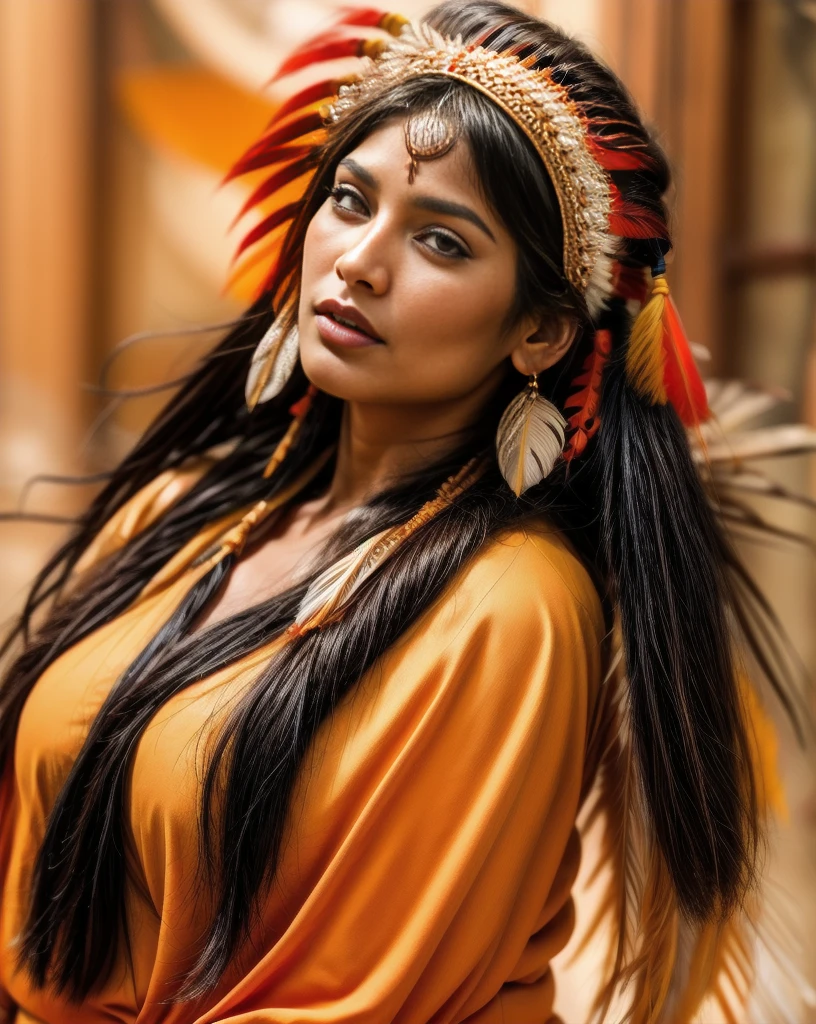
427	265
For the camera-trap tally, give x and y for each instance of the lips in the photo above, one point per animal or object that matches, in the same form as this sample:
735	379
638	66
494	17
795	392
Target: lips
345	324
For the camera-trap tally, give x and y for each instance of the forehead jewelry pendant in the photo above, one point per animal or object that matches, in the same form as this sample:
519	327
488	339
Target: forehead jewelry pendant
427	136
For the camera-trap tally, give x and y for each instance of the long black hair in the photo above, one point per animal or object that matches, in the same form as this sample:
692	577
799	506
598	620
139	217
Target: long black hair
633	506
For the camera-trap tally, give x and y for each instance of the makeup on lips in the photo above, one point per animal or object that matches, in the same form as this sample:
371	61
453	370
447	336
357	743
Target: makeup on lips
339	324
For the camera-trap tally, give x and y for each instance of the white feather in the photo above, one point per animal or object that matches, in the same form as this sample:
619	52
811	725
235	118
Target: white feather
272	363
335	585
786	439
599	286
529	440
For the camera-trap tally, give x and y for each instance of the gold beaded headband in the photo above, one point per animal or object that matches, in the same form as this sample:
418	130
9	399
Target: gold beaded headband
538	105
573	149
580	151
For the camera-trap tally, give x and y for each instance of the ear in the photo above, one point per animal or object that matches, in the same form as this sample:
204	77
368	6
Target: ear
540	348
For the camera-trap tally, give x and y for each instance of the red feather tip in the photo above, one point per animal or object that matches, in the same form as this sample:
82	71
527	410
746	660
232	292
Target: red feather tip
373	17
329	49
324	90
301	406
291	172
261	155
587	399
612	159
684	386
268	224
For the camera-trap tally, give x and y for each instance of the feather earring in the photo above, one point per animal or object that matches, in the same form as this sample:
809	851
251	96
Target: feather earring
272	361
529	439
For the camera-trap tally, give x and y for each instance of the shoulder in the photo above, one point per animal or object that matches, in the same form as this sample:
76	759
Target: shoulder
516	640
529	576
522	618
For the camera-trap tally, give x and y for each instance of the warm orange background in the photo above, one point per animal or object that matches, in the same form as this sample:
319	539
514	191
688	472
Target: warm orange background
118	117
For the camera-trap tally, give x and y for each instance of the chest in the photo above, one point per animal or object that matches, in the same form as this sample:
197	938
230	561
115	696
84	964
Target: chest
271	565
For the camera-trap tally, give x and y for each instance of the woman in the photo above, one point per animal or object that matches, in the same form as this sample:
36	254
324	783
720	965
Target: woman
306	733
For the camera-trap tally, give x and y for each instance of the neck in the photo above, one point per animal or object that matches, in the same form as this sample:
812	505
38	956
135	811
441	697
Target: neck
379	444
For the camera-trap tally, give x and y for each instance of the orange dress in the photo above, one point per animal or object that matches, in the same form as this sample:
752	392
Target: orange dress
431	846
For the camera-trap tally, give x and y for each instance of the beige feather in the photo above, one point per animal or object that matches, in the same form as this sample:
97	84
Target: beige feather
334	588
272	363
529	439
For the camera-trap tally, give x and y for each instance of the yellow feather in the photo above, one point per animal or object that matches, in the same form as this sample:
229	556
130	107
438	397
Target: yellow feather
645	359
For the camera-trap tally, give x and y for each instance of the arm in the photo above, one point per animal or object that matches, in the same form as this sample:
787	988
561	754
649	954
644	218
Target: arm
436	834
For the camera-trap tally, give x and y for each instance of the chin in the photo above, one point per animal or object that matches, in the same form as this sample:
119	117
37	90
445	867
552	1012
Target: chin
336	374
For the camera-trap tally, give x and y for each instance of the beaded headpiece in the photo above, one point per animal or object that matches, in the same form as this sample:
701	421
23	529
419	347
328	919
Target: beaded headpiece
538	105
580	150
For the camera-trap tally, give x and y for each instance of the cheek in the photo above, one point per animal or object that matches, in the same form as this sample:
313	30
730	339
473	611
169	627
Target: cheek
318	258
456	319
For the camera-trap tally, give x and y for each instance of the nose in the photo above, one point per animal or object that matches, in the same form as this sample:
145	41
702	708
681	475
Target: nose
363	264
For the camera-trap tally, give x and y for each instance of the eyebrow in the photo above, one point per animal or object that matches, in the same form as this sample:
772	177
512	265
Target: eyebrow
424	202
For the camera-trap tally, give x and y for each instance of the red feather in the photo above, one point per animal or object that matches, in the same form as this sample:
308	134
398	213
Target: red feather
276	181
294	129
268	224
629	282
306	97
355	17
587	398
372	17
684	386
302	405
630	220
260	156
617	159
330	48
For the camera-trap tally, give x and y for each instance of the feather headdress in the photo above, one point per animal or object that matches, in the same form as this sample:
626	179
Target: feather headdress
580	153
577	151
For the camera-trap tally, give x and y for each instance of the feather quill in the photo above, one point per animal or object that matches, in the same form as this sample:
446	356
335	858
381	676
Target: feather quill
529	439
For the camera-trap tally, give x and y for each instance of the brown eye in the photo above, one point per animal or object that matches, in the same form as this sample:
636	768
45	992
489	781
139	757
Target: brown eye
446	245
344	197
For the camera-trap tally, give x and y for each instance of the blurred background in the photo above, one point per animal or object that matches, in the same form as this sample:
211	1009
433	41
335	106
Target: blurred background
119	117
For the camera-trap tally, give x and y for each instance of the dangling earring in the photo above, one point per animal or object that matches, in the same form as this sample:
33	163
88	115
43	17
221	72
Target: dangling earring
272	361
529	439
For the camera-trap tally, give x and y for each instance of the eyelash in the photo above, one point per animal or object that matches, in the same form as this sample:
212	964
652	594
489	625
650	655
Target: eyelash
337	192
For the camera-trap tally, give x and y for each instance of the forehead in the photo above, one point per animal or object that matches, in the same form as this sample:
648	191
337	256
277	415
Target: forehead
453	174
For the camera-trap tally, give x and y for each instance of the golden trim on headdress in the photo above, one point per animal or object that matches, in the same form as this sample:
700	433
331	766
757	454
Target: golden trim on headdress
538	105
